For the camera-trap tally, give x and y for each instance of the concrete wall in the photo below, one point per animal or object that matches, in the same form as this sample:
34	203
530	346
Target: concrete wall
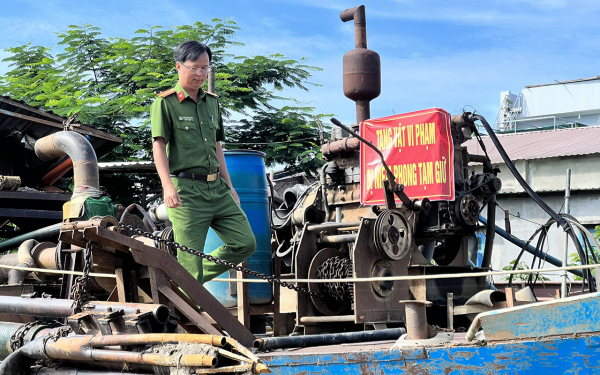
548	178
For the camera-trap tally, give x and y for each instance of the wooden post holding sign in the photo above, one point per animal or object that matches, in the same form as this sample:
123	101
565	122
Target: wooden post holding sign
417	147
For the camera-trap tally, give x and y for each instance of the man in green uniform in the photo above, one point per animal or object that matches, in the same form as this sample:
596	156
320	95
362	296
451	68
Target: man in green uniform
187	129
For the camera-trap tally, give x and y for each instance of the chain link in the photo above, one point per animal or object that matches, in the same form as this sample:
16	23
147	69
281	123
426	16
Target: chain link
17	338
219	261
336	268
79	291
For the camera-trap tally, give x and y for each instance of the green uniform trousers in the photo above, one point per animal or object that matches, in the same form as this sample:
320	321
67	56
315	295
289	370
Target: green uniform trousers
209	204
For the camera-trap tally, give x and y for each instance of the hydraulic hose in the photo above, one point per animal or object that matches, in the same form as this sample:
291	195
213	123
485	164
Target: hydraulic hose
490	232
560	220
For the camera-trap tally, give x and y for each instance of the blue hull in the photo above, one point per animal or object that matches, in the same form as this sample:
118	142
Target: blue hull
554	337
572	355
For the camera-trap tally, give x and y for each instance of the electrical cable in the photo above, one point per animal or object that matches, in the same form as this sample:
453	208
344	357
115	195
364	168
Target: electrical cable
561	221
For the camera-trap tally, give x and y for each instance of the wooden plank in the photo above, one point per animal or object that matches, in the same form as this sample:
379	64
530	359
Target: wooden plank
121	285
243	299
510	297
109	238
133	287
181	305
162	260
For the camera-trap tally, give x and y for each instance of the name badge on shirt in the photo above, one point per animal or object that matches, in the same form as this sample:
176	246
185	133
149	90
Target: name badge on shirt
184	118
211	118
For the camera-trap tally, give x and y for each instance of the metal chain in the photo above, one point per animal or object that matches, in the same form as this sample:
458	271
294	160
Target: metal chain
17	338
219	261
79	291
336	268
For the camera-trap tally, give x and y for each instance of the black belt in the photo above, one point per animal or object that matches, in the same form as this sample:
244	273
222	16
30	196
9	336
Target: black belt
197	176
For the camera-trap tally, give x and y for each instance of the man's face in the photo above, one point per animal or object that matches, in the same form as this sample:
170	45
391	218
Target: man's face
194	78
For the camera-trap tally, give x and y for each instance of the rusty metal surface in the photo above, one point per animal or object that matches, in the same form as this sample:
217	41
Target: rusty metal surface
369	306
416	319
362	67
342	146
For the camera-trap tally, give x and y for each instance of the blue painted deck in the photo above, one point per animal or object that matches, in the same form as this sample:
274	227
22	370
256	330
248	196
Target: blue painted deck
573	355
556	337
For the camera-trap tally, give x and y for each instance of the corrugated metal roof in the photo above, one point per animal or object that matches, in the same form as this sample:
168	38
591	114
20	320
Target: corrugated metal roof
127	167
541	144
564	82
18	118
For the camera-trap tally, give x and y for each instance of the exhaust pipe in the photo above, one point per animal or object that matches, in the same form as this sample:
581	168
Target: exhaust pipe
81	152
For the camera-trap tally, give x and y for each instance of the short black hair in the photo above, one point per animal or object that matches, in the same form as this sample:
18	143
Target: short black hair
191	51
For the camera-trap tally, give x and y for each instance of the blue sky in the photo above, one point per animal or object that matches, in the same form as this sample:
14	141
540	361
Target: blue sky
447	54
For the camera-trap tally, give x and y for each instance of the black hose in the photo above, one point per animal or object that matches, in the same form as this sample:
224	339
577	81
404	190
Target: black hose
271	343
561	221
490	233
530	249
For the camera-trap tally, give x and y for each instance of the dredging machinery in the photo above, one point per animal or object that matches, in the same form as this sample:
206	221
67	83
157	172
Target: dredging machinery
398	197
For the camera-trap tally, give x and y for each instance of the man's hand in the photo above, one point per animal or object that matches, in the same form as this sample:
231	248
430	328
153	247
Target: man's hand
171	196
235	196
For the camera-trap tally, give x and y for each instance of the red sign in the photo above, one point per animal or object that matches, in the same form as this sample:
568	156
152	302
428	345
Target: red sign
418	149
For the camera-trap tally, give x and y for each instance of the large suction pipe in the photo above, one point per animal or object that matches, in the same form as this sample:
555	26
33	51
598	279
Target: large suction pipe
47	233
25	260
85	164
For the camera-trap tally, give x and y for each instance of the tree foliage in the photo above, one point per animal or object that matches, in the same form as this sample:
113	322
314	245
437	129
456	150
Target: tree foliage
110	83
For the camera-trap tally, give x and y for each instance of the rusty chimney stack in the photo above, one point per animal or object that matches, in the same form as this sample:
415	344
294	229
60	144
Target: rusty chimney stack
362	67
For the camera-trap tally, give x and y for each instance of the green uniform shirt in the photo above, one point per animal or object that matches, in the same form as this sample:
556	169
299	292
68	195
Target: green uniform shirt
191	130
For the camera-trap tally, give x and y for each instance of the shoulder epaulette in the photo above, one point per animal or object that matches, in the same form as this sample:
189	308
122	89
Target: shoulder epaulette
166	93
212	94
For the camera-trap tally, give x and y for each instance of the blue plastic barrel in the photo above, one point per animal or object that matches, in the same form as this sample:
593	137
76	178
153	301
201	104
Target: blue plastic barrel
248	176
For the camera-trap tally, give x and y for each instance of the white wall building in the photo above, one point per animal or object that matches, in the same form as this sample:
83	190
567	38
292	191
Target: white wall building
553	105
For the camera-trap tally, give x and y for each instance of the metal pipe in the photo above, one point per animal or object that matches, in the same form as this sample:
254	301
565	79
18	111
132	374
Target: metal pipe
416	319
530	249
565	258
52	176
156	339
360	24
324	190
211	81
46	233
81	152
489	233
62	308
7	330
326	319
339	238
331	226
271	343
348	144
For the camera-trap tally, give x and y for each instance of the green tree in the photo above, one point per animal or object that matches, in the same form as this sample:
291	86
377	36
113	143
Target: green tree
111	82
